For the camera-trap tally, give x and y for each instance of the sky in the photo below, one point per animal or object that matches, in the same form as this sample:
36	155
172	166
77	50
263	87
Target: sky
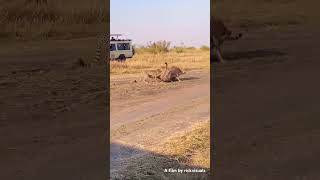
177	21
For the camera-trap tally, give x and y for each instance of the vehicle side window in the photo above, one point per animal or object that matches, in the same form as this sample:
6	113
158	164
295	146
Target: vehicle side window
123	46
112	47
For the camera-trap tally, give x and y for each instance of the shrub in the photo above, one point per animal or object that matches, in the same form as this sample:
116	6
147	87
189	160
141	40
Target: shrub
179	49
205	48
158	47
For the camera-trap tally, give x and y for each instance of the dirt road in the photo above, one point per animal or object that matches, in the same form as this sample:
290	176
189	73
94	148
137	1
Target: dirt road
154	114
50	109
267	107
266	104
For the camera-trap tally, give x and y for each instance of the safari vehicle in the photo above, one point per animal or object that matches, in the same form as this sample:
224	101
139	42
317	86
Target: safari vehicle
120	49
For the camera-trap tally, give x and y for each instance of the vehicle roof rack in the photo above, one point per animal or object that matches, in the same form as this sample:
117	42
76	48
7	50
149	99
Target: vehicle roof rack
117	37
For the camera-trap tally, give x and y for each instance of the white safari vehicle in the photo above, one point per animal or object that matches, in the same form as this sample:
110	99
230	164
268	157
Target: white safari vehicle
120	49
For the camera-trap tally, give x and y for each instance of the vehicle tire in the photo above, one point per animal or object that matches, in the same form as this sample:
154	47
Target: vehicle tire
122	58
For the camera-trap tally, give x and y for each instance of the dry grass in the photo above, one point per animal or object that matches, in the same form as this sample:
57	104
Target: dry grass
187	60
205	48
157	47
192	147
187	150
27	20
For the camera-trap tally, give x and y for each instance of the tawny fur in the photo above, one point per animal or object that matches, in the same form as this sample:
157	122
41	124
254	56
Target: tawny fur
171	74
220	34
176	72
155	74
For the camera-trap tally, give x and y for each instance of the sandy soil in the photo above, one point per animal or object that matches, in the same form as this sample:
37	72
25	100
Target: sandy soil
145	115
266	107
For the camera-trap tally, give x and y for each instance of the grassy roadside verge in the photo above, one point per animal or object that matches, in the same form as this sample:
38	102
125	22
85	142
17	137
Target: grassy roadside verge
187	150
55	19
188	59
